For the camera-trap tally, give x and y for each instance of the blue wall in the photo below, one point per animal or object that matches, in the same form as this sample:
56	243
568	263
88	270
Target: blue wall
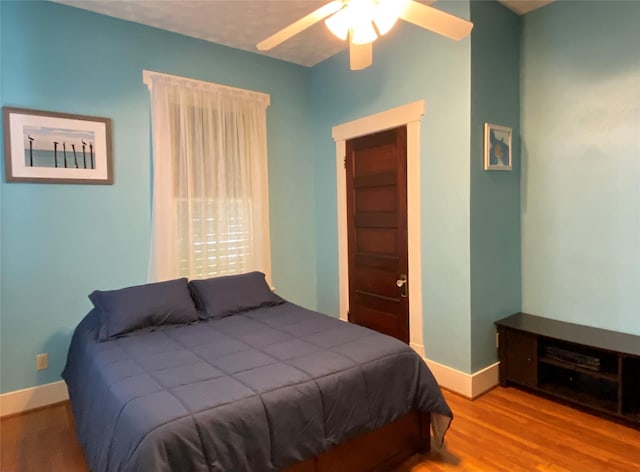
495	196
410	64
581	167
574	100
59	242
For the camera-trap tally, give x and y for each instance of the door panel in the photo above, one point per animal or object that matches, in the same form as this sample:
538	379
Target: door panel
381	219
375	280
381	179
375	160
377	231
380	261
374	199
378	320
375	302
378	241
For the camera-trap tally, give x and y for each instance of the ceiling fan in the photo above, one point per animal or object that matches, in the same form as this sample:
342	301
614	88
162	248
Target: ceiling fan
362	21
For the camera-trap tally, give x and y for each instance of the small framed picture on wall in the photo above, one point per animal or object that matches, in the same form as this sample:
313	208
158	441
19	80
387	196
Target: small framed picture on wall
50	147
497	147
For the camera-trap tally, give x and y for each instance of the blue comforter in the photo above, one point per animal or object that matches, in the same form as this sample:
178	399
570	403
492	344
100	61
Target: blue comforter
256	391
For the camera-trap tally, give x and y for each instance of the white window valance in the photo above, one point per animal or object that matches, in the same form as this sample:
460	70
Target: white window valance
151	77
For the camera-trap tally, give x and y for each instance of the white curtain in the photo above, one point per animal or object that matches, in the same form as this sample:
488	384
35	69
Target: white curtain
210	213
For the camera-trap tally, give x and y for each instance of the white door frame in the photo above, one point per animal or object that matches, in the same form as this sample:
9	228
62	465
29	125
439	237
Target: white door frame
409	115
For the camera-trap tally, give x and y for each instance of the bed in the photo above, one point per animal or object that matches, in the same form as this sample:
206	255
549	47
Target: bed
235	379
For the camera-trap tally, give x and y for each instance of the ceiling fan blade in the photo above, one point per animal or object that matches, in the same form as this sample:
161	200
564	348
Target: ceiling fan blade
360	55
300	25
436	20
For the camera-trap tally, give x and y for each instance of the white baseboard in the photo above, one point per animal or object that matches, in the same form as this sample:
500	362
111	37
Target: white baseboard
468	385
485	379
26	399
419	348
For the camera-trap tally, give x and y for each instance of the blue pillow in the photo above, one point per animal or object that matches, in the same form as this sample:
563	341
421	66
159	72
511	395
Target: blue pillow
143	306
223	296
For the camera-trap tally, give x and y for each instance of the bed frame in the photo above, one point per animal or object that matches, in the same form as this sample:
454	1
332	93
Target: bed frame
376	451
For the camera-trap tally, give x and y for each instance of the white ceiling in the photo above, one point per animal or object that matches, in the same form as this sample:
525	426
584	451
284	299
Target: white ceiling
241	24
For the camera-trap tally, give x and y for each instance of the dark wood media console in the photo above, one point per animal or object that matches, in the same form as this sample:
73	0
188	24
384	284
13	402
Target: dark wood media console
594	369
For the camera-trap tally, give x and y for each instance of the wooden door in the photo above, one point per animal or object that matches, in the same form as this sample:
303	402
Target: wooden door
377	231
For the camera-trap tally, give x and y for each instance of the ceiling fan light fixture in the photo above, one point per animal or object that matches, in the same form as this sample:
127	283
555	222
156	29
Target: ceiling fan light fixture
356	18
339	23
384	24
386	14
363	32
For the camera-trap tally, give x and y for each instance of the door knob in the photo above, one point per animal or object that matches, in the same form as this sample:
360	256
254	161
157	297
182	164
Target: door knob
402	285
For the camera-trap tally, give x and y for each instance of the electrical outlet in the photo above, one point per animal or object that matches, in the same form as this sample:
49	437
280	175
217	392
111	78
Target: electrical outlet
42	361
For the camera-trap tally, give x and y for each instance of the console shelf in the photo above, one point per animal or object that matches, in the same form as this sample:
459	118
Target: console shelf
568	366
594	369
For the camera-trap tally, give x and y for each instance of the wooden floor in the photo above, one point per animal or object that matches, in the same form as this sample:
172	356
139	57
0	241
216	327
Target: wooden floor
504	430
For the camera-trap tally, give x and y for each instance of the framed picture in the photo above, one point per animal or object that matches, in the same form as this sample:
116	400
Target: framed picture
49	147
497	147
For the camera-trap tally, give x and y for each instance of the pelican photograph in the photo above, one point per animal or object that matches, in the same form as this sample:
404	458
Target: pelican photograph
52	147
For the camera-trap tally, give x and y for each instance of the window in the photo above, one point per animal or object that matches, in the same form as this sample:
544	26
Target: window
210	195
